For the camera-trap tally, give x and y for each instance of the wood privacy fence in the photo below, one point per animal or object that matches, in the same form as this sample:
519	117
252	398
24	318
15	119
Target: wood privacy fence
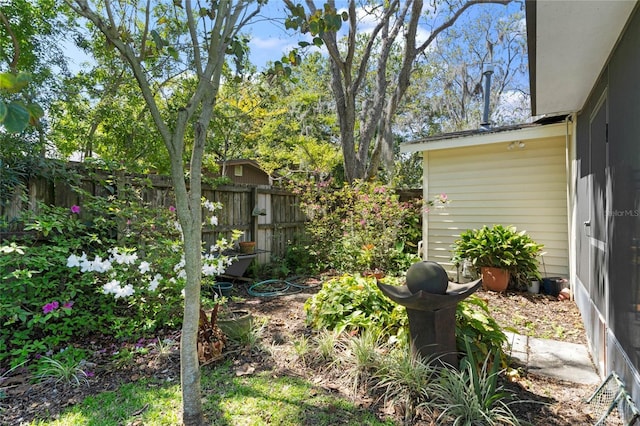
270	216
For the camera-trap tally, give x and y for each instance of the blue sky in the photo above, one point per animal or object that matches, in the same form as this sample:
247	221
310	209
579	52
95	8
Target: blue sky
269	40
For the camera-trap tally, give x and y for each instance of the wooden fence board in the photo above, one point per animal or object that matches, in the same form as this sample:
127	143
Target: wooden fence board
273	231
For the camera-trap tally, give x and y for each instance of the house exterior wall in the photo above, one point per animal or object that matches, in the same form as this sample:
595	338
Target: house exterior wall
492	184
608	195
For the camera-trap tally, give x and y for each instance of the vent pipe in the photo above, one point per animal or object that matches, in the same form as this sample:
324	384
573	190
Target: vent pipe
488	71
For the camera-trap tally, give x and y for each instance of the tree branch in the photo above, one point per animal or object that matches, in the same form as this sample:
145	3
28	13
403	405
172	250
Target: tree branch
13	65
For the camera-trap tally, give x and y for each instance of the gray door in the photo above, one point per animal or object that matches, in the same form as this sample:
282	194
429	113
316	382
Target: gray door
591	241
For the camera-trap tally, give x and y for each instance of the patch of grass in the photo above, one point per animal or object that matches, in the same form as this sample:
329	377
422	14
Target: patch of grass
260	399
264	400
146	402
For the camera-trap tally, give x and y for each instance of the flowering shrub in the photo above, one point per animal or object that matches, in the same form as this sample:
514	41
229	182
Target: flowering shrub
111	265
362	227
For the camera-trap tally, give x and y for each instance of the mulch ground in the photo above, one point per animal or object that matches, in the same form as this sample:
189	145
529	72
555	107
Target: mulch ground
542	401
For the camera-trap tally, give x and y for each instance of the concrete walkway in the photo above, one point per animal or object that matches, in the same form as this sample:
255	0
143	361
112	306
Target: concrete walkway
561	360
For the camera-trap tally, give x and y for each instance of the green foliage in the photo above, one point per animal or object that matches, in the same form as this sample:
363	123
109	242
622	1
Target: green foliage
403	377
15	113
360	227
353	303
477	331
46	303
68	366
471	395
501	247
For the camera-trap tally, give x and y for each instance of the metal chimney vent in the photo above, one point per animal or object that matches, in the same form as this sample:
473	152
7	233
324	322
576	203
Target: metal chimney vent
488	71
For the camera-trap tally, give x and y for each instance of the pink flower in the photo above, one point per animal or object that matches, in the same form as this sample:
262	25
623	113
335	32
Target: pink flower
50	307
75	209
172	209
68	305
379	190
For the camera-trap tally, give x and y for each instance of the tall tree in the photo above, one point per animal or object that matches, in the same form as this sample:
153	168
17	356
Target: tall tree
172	41
366	138
460	58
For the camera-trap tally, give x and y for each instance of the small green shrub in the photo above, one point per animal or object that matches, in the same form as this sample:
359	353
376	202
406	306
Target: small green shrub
68	366
471	395
477	330
403	378
111	265
352	303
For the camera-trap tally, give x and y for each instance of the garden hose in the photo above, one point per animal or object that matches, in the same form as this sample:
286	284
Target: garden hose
276	287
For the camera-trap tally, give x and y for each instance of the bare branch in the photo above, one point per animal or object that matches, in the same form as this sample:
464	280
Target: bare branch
14	40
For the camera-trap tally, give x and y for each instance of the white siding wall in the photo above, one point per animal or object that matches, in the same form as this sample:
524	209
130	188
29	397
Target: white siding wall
490	184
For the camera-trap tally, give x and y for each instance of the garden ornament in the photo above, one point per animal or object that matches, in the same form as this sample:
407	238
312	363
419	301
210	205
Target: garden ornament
431	302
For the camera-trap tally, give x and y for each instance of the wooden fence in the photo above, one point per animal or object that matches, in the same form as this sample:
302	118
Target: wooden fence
270	216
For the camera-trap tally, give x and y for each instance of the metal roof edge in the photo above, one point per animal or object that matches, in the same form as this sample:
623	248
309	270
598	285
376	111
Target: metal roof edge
498	135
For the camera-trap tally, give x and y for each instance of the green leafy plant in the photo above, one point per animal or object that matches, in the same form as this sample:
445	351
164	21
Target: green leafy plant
353	303
68	366
16	112
403	378
471	395
59	281
502	247
361	358
477	332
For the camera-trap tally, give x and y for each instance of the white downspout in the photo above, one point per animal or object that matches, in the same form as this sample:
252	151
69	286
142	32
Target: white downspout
569	149
425	198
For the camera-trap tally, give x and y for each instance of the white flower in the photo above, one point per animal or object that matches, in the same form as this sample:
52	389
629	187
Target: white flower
208	205
125	291
85	264
179	265
213	221
73	261
153	285
144	267
100	266
124	258
111	287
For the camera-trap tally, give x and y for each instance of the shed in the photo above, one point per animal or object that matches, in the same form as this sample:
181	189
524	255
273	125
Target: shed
515	175
245	172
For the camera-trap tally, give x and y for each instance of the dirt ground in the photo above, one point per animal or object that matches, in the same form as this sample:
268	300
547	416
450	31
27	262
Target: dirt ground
545	401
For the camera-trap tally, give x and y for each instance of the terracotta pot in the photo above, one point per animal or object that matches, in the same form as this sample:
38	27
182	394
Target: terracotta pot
494	279
247	247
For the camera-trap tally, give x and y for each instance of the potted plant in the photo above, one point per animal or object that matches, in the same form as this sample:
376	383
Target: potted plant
500	252
247	247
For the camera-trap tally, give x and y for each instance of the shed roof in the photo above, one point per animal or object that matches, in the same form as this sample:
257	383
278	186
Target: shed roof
544	127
